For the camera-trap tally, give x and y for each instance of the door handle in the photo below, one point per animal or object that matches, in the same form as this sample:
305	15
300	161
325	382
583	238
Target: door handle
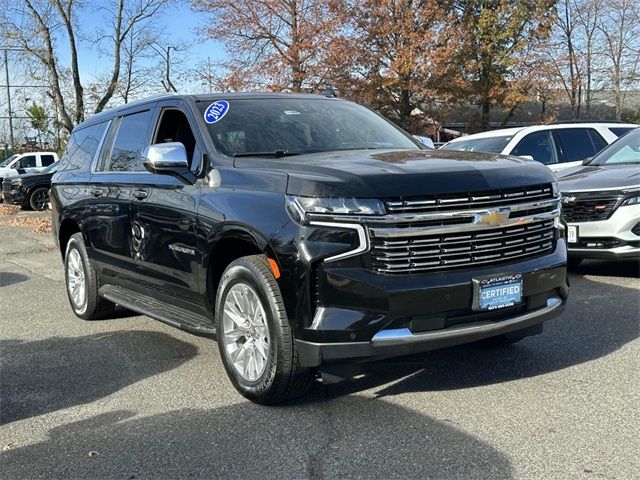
141	194
96	192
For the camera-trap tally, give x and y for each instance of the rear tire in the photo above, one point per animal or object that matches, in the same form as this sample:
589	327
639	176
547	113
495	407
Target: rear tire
255	339
82	283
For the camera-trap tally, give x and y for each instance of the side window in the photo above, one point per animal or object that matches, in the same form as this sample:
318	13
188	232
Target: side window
27	162
620	131
539	146
47	160
598	142
174	127
576	143
82	147
131	139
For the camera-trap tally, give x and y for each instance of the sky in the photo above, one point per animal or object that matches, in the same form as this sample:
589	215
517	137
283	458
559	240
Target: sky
180	23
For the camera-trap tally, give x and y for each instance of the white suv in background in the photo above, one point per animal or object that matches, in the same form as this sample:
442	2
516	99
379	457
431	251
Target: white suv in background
559	145
30	162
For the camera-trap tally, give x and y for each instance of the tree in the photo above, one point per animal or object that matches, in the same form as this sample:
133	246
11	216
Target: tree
495	33
39	120
35	26
395	55
620	28
280	44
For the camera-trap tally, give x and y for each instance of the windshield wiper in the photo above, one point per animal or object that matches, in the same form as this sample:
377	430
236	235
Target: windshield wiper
274	154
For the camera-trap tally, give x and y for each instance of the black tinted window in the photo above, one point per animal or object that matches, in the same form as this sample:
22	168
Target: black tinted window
27	162
620	131
577	144
131	139
47	160
82	147
598	142
539	146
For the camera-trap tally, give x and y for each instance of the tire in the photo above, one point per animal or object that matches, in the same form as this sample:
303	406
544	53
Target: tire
88	305
573	262
39	199
267	343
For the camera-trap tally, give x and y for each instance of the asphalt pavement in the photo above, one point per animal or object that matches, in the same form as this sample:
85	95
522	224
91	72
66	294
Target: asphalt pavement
131	398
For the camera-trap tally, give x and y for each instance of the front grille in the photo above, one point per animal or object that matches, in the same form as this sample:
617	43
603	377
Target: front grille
469	200
445	251
588	207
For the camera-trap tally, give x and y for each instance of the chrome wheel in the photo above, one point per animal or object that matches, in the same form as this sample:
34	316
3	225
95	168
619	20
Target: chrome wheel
76	284
245	331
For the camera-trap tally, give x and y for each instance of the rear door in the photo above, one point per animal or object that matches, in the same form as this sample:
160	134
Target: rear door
164	215
576	144
116	176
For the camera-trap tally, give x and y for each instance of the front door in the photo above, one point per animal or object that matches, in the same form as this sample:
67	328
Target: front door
164	217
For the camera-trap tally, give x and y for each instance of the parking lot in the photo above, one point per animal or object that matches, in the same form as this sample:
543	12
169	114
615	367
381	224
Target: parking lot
132	398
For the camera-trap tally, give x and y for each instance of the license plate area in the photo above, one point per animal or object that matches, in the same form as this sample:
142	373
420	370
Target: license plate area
497	291
572	234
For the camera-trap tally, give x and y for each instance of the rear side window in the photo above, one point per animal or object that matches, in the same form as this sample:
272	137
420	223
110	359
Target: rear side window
82	147
131	139
488	145
620	131
539	146
47	160
27	162
578	143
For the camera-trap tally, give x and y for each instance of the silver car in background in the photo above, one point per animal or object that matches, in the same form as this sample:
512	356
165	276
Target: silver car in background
601	203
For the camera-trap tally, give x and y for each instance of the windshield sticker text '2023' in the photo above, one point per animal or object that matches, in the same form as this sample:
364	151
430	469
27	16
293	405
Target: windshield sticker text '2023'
216	111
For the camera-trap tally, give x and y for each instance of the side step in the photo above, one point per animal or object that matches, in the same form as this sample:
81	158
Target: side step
170	314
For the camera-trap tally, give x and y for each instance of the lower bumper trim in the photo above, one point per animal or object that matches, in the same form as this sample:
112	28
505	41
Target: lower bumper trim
397	342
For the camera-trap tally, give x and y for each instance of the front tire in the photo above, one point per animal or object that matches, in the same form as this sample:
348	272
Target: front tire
254	336
82	283
39	199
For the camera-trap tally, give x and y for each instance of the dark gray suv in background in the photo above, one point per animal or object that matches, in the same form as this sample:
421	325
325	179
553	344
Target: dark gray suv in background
306	233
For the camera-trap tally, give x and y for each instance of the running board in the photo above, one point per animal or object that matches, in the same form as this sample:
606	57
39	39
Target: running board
170	314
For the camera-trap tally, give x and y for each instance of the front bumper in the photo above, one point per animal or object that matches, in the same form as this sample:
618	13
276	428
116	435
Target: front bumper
608	239
402	341
14	197
365	316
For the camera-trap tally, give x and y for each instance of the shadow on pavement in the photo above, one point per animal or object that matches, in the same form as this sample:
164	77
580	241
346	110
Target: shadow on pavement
9	278
588	329
627	268
47	375
353	438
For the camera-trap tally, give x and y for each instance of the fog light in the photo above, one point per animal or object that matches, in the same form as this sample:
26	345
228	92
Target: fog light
636	230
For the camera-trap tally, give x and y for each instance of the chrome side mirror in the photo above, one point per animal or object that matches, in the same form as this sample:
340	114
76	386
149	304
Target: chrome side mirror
168	159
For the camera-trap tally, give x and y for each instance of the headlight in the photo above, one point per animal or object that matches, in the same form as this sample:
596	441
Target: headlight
555	190
301	206
631	201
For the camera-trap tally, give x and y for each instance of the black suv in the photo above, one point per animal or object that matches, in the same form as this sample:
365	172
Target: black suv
306	233
29	190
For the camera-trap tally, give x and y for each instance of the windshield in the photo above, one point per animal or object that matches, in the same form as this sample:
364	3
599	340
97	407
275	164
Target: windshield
51	168
8	161
291	126
488	144
624	151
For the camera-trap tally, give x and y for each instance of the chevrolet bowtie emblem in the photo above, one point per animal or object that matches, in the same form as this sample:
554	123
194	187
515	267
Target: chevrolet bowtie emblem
493	217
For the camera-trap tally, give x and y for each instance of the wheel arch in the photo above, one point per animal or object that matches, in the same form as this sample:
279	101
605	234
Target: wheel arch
229	244
68	227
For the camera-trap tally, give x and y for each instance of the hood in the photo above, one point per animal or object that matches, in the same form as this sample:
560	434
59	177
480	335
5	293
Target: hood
394	173
35	177
600	177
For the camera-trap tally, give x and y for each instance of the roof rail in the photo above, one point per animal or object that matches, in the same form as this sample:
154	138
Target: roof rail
564	122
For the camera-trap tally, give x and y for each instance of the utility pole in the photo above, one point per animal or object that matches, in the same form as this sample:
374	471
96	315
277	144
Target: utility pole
6	73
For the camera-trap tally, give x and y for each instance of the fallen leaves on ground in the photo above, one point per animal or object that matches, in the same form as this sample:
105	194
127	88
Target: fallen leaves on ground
37	225
9	209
